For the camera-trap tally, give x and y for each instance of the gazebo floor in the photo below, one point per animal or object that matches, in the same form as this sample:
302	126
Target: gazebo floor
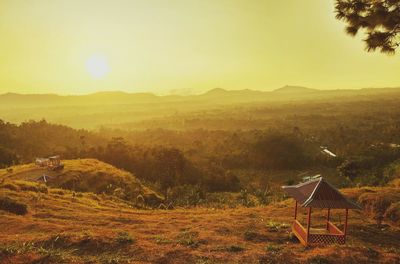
319	231
318	235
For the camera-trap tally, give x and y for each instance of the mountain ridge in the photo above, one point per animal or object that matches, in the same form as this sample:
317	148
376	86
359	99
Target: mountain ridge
286	88
295	89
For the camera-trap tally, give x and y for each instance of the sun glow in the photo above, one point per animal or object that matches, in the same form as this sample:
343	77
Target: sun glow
97	66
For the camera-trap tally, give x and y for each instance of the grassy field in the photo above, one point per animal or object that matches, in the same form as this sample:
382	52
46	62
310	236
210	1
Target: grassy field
62	226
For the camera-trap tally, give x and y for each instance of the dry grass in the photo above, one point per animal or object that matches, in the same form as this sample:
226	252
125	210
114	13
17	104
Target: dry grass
379	203
61	227
83	175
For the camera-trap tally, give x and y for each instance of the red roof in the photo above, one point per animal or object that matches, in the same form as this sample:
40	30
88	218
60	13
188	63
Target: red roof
319	194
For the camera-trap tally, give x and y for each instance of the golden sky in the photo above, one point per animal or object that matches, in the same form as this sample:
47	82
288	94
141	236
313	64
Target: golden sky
84	46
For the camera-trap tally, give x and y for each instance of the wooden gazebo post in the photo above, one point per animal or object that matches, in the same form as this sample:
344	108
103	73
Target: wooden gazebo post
308	223
345	225
327	218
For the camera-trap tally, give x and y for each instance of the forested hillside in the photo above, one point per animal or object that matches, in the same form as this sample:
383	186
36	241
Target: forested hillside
216	156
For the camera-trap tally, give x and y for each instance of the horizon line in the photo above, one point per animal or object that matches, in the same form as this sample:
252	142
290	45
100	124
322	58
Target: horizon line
195	94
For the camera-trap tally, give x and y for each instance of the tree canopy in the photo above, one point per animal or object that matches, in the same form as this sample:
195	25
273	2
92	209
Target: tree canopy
379	20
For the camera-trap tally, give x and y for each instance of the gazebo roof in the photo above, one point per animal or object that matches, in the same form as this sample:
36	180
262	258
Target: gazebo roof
319	194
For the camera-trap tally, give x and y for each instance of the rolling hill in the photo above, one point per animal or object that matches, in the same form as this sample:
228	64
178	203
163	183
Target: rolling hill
85	175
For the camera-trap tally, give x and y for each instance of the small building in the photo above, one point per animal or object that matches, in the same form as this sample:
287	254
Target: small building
42	162
52	163
319	194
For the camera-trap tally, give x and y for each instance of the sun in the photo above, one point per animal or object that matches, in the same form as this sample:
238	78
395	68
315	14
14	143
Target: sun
97	66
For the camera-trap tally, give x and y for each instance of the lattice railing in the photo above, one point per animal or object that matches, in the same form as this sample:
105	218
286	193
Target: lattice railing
334	236
326	239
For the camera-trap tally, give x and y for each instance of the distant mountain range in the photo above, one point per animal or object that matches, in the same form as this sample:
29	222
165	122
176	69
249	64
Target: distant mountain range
217	95
295	89
97	109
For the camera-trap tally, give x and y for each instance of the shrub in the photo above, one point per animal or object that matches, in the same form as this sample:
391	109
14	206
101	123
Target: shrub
393	212
10	186
371	253
31	186
246	199
186	195
188	238
160	239
292	237
93	196
124	238
9	205
274	249
119	192
57	191
395	183
275	227
235	248
376	204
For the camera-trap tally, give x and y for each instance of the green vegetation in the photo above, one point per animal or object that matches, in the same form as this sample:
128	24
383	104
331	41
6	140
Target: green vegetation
15	207
188	238
224	162
381	204
379	19
124	238
235	248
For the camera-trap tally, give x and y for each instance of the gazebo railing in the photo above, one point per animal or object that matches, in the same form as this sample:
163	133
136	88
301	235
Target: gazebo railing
332	229
333	235
326	239
299	231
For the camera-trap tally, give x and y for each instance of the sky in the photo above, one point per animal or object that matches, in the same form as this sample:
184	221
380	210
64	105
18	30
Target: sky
79	47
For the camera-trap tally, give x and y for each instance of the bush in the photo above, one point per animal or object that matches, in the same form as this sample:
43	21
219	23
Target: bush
246	199
9	205
274	249
375	205
124	238
275	227
57	191
186	195
235	248
10	186
393	213
188	238
31	186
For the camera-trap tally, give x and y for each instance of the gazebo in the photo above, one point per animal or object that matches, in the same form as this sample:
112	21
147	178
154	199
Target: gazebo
319	194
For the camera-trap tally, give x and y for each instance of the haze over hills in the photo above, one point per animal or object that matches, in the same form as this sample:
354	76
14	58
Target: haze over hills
295	89
104	108
117	97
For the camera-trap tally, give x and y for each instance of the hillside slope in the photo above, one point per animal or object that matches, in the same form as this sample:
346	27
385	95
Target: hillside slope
61	227
85	175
